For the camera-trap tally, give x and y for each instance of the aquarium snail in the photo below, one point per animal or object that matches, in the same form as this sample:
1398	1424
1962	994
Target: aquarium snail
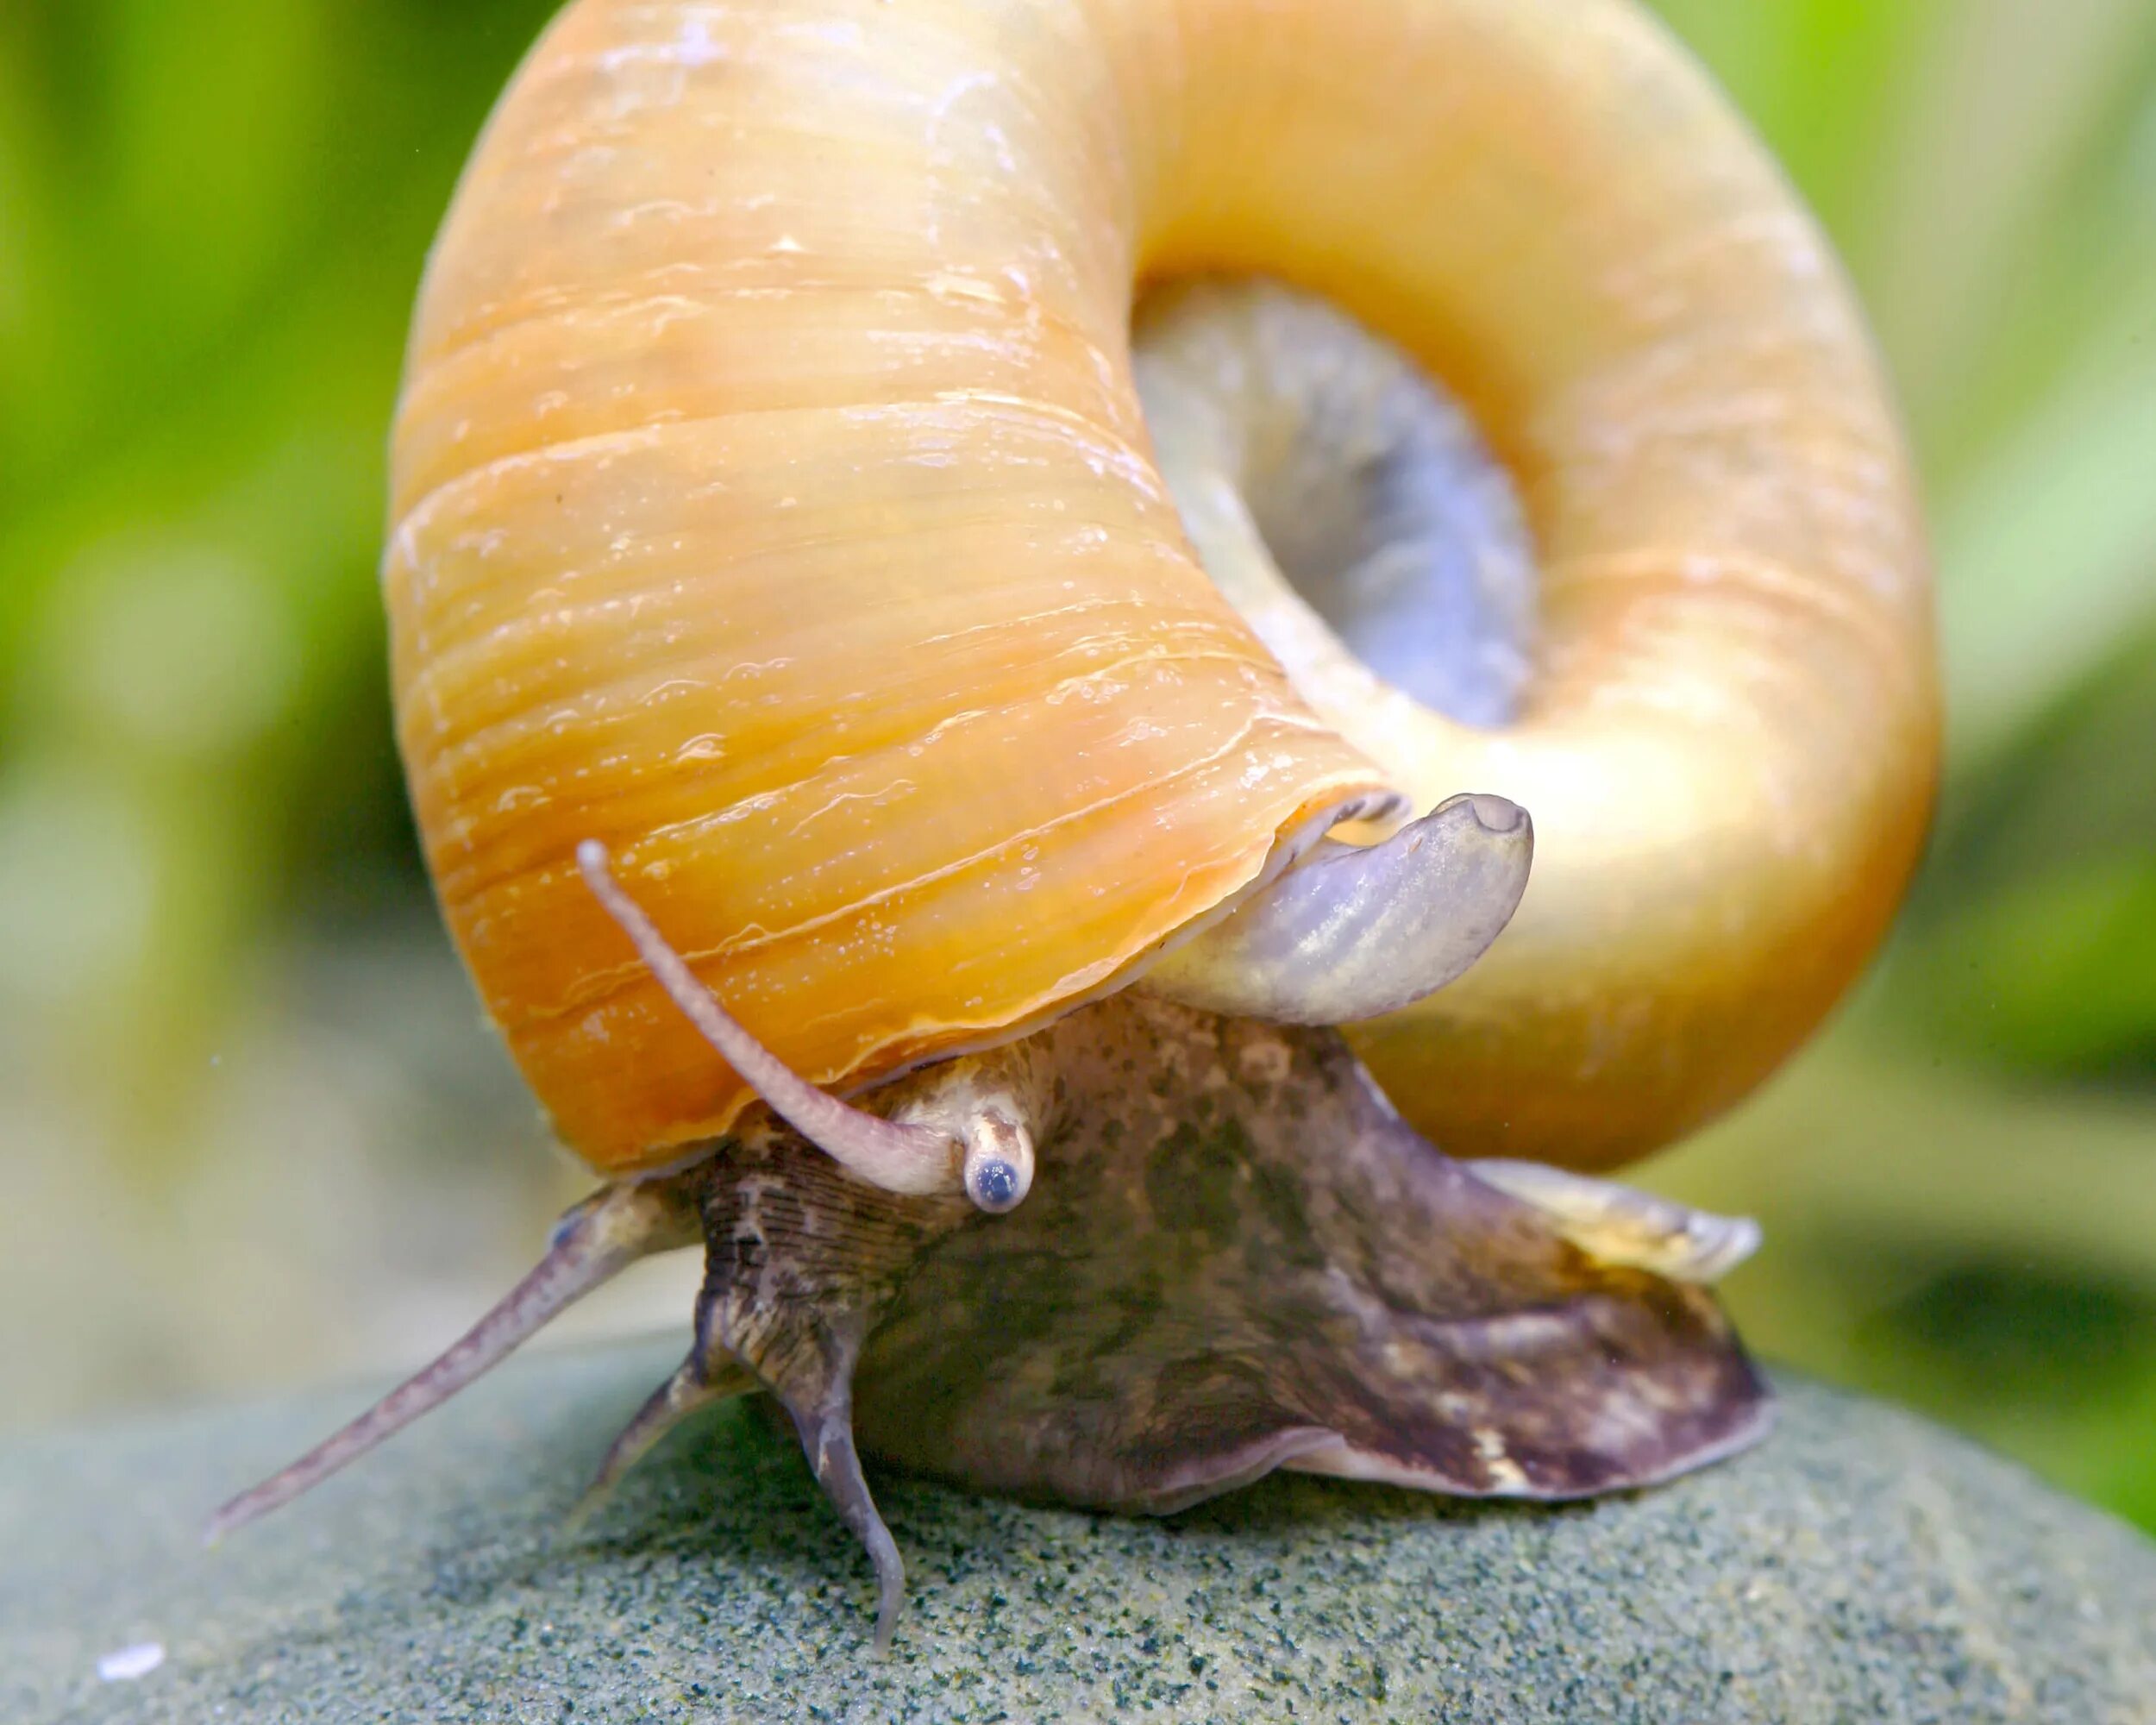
917	774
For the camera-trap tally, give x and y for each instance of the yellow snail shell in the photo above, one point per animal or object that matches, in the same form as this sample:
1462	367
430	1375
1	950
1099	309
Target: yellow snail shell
773	504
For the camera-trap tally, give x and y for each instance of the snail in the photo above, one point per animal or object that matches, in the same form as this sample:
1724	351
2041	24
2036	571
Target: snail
987	797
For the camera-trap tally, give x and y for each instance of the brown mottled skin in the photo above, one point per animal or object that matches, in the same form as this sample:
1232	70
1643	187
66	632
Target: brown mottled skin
1235	1257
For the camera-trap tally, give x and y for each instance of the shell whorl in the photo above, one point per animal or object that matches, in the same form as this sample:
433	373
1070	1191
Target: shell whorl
773	504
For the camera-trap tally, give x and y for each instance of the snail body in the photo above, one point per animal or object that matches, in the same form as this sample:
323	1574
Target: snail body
877	774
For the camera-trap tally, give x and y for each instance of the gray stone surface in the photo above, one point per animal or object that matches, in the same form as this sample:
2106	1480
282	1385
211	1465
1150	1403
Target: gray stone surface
1861	1566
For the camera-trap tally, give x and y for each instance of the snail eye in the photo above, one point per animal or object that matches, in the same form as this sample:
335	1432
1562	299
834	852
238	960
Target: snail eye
996	1188
999	1158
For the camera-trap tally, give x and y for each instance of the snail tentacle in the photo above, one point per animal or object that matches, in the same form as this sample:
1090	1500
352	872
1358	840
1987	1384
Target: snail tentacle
999	1163
590	1245
1355	931
1623	1224
827	1439
698	1382
967	1128
913	1159
994	1103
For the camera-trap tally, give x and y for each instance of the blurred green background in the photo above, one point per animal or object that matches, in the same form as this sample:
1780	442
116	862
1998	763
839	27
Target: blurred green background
253	1129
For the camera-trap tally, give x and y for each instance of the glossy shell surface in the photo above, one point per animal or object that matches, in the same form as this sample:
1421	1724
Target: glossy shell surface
772	503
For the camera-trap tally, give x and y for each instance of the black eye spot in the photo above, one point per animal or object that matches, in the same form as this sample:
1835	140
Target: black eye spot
996	1185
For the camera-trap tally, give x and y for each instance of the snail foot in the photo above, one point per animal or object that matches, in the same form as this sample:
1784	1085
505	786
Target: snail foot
1623	1224
1237	1258
1250	1262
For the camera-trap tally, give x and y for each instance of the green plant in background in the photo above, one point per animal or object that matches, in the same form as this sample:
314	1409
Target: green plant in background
211	219
211	222
1961	1178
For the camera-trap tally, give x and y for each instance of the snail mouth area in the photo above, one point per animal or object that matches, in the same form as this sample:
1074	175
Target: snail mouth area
1344	504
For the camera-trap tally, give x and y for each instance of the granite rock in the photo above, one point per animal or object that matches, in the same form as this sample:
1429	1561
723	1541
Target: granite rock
1860	1565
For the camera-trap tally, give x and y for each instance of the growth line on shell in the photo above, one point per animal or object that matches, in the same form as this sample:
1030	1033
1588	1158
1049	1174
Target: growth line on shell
914	1160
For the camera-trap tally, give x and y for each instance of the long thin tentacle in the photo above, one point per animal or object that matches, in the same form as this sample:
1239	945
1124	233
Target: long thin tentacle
697	1382
911	1159
594	1242
827	1439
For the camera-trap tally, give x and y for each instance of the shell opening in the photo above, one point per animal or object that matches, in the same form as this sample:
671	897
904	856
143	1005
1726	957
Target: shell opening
1352	514
1345	505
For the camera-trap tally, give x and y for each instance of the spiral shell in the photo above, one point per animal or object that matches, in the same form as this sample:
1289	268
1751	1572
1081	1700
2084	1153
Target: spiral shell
772	503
